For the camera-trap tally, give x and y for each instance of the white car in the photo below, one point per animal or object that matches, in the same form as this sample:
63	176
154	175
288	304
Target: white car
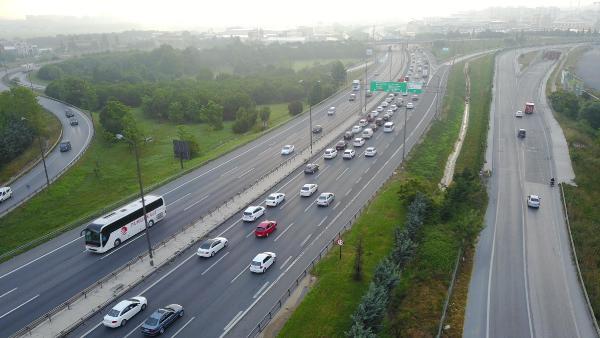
374	113
393	107
370	152
410	105
349	154
363	123
262	262
379	109
274	199
533	201
325	199
308	189
384	104
287	149
390	112
519	113
358	142
211	246
388	127
253	212
5	193
330	153
124	311
389	99
331	111
356	129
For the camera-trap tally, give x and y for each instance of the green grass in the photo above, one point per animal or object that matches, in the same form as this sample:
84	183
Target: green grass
464	47
106	174
52	128
335	296
301	64
526	58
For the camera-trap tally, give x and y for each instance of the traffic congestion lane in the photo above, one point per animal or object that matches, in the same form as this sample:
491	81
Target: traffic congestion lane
85	275
299	237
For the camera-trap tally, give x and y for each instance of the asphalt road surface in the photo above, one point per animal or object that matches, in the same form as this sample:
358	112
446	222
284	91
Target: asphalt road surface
35	282
221	297
524	283
80	137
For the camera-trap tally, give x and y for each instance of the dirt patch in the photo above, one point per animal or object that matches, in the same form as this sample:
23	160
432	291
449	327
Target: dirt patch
272	330
458	302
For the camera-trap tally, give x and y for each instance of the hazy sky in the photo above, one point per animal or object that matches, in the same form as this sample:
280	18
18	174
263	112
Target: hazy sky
164	14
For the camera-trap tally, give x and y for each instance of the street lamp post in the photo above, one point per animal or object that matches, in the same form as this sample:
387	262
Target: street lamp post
139	175
404	136
310	133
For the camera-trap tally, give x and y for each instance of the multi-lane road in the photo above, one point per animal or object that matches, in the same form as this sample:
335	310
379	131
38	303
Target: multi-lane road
35	282
524	282
80	137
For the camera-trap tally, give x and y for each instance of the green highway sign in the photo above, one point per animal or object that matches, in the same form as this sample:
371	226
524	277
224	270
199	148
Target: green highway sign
392	87
415	87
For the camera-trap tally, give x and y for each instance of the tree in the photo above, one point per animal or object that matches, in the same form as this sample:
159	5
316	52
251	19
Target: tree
591	113
404	247
358	260
371	310
244	121
265	113
50	72
295	107
185	135
111	116
212	114
338	72
565	103
467	227
386	274
358	330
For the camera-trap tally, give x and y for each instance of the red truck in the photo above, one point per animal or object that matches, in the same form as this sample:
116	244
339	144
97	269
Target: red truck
529	106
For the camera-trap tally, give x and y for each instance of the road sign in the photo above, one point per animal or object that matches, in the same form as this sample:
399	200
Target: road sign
392	87
340	242
415	87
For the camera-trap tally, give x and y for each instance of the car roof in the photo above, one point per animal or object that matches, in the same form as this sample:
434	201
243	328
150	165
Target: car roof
253	207
122	304
261	256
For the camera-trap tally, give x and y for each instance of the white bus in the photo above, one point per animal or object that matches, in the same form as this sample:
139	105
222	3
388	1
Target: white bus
356	85
112	229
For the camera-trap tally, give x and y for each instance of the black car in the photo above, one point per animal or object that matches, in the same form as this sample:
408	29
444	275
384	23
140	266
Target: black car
317	129
348	135
64	146
311	168
69	113
373	126
379	121
341	145
161	319
73	121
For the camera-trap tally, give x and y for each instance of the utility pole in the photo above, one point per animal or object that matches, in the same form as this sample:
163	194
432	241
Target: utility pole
404	137
390	55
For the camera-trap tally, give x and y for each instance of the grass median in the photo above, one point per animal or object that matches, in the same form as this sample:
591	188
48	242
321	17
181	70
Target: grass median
106	174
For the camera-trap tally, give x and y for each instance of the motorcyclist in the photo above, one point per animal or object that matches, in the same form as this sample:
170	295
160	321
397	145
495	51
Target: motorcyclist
552	182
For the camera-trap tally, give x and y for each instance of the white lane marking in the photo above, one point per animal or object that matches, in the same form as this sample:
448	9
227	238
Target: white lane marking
215	263
90	330
306	239
228	171
284	231
18	307
285	262
166	275
177	200
264	151
7	292
287	202
348	192
198	201
322	221
228	326
310	205
183	327
42	256
133	330
358	180
229	227
239	274
135	238
336	205
250	233
342	174
290	181
245	173
260	290
321	171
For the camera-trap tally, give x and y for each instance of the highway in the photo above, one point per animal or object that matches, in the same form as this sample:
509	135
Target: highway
524	283
221	297
57	162
40	279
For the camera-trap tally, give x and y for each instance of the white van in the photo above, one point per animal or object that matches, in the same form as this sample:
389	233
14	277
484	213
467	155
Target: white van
367	133
388	127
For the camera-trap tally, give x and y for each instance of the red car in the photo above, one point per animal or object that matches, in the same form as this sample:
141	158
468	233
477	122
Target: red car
265	228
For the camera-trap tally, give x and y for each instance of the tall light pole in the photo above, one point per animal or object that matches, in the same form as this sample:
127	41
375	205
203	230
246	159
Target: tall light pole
139	175
310	133
390	55
39	137
404	136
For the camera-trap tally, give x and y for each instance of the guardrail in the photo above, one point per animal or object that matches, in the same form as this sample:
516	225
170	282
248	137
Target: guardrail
574	253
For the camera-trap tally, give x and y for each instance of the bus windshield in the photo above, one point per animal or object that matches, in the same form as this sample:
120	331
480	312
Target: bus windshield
92	237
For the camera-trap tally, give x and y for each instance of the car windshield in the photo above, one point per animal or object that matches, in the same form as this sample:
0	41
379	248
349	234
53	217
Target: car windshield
151	321
114	313
305	188
260	228
255	263
247	213
271	198
92	237
206	245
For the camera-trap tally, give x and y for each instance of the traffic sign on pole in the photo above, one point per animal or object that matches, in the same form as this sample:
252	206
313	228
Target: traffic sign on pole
415	87
391	87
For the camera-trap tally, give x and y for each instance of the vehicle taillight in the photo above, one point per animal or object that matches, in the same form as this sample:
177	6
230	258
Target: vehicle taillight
114	321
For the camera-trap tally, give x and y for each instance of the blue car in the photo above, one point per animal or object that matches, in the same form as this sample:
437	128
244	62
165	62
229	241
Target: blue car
161	319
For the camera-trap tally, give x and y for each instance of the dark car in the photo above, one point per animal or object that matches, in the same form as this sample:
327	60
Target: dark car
374	127
379	121
341	145
317	129
161	319
311	168
386	117
348	135
521	133
64	146
73	121
69	113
